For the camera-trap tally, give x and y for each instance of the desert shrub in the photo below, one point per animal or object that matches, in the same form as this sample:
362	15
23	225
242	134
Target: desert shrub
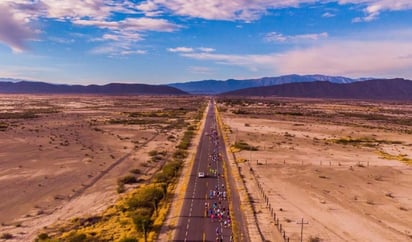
3	126
135	171
76	237
128	180
6	236
314	239
244	146
240	111
169	171
43	236
142	223
120	188
180	154
22	115
156	158
145	197
153	153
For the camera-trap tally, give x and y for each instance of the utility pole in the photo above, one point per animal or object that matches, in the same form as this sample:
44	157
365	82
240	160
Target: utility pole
301	229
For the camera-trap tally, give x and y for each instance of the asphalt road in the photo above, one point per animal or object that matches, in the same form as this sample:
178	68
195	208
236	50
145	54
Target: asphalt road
205	195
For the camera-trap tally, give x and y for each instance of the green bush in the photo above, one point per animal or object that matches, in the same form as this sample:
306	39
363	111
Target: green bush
145	197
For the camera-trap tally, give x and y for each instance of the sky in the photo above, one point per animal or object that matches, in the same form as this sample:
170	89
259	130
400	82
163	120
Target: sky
166	41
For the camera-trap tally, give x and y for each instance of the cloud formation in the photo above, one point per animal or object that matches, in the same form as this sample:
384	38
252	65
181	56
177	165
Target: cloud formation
183	49
18	16
12	32
349	58
246	10
278	37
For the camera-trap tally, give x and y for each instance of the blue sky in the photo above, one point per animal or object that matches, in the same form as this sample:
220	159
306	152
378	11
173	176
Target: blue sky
164	41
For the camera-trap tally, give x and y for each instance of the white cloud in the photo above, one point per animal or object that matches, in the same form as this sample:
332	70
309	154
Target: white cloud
205	49
18	16
247	10
13	32
373	8
352	58
181	49
204	70
251	62
61	40
347	58
278	37
125	33
328	15
133	52
132	24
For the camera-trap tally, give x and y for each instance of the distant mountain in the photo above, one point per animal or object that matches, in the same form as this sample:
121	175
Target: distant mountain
111	89
379	89
2	79
216	87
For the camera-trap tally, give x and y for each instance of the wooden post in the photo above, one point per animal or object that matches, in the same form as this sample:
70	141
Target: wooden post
301	229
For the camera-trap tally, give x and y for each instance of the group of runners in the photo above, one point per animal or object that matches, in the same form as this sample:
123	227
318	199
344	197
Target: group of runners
215	207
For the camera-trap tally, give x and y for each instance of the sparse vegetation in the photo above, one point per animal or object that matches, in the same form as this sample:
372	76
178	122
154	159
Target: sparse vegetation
6	236
135	171
242	145
3	126
127	179
140	211
400	157
365	141
314	239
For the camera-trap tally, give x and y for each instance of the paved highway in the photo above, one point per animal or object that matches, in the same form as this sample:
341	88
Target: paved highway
205	211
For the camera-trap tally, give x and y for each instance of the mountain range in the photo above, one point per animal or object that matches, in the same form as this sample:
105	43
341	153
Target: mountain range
309	86
216	86
19	86
378	89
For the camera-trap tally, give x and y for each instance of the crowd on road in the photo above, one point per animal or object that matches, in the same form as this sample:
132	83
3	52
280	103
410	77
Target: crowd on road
216	207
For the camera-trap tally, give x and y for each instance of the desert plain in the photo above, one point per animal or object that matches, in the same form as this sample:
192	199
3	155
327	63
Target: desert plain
344	167
61	157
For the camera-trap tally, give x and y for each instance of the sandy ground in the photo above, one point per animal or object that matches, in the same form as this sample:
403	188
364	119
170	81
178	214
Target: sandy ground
65	162
354	191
